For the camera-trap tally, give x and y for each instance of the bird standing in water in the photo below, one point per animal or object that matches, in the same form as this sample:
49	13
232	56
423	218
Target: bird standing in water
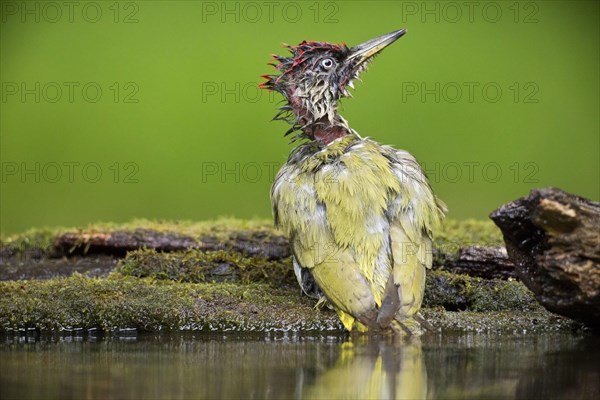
359	215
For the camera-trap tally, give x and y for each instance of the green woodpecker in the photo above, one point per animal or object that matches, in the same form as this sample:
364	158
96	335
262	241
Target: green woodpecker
359	215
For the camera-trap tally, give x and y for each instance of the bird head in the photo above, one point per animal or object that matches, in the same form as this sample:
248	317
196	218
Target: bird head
317	74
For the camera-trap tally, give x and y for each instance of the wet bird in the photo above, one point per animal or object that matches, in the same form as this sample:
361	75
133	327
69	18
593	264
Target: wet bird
359	215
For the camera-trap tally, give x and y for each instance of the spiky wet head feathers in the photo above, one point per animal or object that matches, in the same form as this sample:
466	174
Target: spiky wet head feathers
316	75
312	79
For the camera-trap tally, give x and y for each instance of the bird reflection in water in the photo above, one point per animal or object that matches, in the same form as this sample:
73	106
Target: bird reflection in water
368	368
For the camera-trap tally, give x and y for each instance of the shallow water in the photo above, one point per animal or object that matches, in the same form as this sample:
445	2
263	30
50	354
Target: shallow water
282	366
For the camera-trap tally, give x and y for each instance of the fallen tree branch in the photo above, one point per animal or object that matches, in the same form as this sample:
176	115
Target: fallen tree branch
553	238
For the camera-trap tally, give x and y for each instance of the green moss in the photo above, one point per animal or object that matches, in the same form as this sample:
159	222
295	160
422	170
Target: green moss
213	266
451	291
78	302
455	234
463	292
535	321
469	231
35	242
125	302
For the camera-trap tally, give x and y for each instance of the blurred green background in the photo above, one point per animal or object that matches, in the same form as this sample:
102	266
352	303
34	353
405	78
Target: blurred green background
112	111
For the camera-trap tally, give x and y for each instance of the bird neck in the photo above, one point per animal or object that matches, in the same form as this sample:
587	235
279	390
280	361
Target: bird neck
327	134
325	127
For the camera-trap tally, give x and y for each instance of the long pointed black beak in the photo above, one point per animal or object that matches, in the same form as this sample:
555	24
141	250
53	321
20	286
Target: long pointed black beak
366	50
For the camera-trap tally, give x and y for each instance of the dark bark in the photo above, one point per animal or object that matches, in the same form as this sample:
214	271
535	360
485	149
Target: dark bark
553	238
118	243
488	262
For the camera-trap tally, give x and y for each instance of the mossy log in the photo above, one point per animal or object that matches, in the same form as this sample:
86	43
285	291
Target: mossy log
466	247
553	238
121	303
232	275
451	291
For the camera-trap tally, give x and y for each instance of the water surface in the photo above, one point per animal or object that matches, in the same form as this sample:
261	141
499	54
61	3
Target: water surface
294	366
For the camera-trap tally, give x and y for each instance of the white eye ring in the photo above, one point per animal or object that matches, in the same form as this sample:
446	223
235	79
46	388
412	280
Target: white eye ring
327	63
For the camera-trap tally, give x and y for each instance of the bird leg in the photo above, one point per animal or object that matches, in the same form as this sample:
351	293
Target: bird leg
389	305
369	319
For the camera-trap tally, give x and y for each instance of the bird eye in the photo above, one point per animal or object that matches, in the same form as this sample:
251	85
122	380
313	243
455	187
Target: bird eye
327	63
